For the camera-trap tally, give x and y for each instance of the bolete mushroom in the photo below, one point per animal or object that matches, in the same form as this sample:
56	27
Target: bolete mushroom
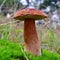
29	15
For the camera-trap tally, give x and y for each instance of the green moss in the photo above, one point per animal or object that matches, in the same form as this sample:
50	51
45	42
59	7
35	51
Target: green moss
13	51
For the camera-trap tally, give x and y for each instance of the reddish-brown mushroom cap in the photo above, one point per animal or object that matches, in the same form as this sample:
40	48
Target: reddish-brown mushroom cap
29	13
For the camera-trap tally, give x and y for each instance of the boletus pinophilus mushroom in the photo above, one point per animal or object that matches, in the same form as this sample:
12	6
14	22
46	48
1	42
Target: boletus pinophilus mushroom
29	15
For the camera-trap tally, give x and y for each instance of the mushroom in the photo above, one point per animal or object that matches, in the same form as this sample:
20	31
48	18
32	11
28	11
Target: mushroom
29	15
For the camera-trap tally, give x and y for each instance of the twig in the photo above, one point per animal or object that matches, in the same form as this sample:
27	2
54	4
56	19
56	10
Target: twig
9	23
2	4
46	24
